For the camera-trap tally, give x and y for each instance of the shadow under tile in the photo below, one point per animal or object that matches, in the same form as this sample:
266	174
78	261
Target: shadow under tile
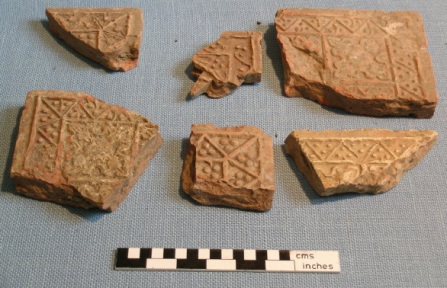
274	54
10	119
183	71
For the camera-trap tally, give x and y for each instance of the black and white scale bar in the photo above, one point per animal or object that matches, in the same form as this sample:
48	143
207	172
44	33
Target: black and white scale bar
227	260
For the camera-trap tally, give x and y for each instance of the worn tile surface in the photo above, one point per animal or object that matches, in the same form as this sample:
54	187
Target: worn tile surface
365	62
109	36
230	166
223	66
76	150
362	161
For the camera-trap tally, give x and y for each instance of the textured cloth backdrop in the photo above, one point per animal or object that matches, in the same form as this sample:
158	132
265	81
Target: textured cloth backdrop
395	239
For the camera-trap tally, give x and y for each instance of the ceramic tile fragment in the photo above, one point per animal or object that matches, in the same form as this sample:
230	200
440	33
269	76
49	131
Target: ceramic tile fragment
109	36
365	62
361	161
223	66
230	166
76	150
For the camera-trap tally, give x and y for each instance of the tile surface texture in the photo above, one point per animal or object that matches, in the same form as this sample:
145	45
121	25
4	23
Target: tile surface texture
109	36
364	62
361	161
231	166
76	150
223	66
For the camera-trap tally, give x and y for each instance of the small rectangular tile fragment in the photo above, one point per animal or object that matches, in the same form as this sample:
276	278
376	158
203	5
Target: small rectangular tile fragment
230	166
363	61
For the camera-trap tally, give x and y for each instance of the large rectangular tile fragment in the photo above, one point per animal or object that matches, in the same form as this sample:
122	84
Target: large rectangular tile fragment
361	161
364	62
223	66
109	36
76	150
230	166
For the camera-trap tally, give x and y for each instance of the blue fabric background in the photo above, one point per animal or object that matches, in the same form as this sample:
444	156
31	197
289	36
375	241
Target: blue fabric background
395	239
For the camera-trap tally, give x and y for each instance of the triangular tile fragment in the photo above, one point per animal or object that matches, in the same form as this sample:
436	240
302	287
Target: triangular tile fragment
364	62
79	158
109	36
223	66
240	177
365	161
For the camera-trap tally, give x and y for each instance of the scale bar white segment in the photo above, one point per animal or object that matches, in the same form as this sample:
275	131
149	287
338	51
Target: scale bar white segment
204	253
162	264
180	253
276	265
273	254
227	253
249	254
134	253
220	265
157	253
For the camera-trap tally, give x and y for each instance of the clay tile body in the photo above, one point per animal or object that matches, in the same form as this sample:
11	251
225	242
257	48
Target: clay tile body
361	161
223	66
230	166
364	62
76	150
109	36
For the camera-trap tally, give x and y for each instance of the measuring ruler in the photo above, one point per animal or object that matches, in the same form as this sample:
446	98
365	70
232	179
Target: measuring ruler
182	259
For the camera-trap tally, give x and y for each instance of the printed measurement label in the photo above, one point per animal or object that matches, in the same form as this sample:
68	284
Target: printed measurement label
316	261
227	260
